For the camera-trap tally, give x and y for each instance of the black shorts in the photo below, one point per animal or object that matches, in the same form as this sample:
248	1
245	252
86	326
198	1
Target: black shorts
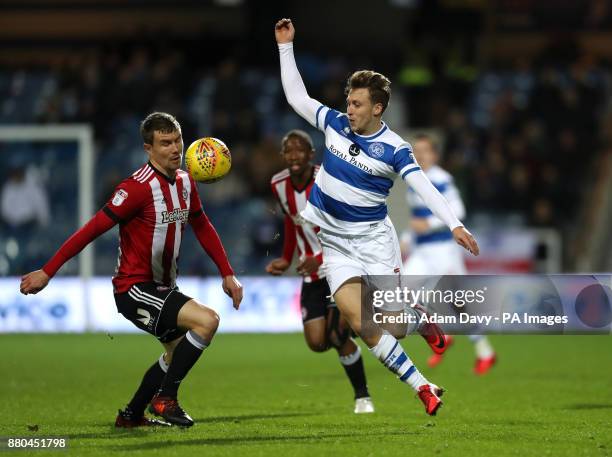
315	299
154	309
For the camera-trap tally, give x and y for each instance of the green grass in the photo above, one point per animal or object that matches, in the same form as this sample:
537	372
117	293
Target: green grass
265	395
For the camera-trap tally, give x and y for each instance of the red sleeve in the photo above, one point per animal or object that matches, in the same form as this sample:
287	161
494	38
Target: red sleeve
289	241
97	225
206	234
126	201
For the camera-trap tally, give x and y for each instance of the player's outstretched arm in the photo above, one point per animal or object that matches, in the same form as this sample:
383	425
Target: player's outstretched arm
293	86
36	281
440	207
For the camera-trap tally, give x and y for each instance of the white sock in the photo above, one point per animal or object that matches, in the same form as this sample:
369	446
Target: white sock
392	355
482	346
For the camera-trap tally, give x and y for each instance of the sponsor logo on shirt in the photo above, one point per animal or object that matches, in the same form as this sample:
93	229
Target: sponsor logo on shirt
119	197
354	150
176	214
351	160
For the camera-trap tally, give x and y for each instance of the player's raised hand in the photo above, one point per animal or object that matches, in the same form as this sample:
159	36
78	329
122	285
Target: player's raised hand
464	238
277	267
233	288
284	31
34	282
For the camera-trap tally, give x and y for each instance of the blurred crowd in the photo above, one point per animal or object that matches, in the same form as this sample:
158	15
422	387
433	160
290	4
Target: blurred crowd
520	138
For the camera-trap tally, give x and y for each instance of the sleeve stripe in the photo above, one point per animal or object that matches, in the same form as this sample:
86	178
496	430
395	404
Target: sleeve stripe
112	215
410	171
317	116
407	167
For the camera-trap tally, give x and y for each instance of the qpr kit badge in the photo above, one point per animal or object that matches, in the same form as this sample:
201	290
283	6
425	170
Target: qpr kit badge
376	150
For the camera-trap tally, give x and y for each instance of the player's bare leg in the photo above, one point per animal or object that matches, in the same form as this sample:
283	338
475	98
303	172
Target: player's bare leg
202	323
332	330
385	346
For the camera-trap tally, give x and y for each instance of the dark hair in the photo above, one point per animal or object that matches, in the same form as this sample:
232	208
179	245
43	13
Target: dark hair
430	139
378	86
158	122
300	135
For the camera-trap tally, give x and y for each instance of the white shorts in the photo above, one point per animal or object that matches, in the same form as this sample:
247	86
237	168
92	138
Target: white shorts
349	256
437	258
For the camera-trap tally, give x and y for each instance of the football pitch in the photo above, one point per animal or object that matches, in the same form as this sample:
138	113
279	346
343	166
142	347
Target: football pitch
267	395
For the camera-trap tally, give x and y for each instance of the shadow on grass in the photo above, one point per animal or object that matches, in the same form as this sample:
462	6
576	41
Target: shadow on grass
315	437
246	417
586	406
110	432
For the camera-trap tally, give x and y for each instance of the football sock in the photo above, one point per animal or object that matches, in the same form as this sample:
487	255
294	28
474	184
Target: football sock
482	346
392	355
353	366
148	387
185	355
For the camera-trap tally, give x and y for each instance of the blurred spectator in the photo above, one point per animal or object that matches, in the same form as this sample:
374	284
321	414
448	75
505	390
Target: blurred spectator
24	203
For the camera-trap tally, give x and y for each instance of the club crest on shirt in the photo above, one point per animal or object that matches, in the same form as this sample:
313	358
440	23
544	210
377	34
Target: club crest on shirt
119	197
185	194
376	150
354	150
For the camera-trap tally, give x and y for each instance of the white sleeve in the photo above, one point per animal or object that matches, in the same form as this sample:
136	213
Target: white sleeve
294	88
432	198
454	200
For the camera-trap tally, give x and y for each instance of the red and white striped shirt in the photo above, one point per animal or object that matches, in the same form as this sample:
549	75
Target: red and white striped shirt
152	210
297	230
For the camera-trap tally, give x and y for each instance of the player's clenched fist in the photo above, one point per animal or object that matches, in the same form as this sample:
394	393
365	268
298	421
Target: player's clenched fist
284	31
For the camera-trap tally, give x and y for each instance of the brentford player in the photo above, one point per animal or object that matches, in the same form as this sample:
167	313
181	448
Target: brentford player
324	327
152	208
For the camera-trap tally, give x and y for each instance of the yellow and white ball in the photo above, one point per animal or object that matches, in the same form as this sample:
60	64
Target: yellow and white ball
208	160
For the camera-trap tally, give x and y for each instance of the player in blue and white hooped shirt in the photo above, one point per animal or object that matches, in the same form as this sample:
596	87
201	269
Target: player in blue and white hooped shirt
347	202
432	249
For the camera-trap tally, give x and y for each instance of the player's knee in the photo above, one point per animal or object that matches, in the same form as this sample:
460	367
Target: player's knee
207	323
318	345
